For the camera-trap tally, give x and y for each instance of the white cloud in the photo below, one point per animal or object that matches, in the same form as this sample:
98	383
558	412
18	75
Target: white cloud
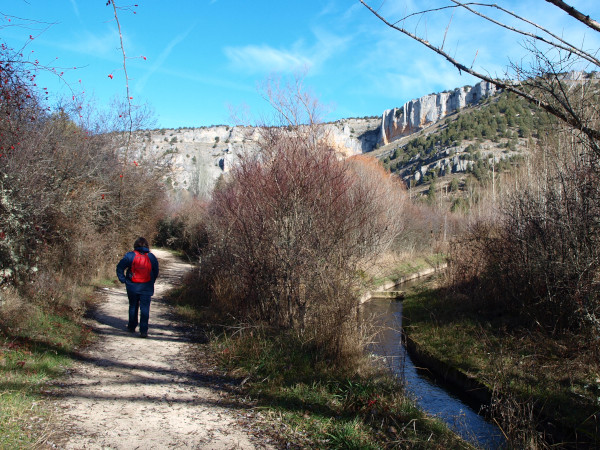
75	8
328	45
265	59
94	44
156	65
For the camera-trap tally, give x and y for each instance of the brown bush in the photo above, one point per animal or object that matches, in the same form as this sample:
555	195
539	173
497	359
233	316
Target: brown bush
541	257
290	228
68	201
184	228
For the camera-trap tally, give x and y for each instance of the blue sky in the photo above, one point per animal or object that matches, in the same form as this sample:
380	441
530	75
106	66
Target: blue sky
203	57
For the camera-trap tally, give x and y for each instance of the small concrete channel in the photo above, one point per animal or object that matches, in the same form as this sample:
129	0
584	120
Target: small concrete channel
456	407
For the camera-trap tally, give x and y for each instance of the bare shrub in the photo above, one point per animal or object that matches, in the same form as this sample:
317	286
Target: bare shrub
541	257
68	201
13	308
290	228
184	228
469	264
550	231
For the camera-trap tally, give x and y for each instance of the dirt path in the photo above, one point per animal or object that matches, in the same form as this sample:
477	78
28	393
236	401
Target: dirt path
134	393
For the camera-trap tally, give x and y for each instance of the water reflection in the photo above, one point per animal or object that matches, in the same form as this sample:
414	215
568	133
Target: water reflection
431	397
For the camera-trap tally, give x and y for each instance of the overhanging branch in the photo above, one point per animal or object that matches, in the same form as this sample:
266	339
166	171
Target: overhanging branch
594	25
573	120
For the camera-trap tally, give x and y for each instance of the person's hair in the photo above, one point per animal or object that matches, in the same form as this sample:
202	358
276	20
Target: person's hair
141	242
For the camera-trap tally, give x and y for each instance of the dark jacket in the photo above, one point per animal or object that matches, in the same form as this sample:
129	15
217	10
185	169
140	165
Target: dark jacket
124	275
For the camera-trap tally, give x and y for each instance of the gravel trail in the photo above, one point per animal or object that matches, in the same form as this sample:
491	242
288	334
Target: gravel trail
132	393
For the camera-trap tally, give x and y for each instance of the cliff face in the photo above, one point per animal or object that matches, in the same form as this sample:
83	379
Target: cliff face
197	156
416	114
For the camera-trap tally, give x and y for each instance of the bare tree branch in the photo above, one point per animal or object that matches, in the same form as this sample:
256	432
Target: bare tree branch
562	111
558	41
576	14
130	130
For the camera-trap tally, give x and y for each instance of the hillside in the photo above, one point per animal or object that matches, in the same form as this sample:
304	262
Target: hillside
491	136
472	129
197	156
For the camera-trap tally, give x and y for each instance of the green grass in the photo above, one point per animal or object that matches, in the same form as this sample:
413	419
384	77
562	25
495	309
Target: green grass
34	349
558	374
303	397
322	406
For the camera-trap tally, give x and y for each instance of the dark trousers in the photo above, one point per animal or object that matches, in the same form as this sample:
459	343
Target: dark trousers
142	303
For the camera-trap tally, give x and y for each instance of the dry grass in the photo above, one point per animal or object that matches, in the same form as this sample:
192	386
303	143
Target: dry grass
535	377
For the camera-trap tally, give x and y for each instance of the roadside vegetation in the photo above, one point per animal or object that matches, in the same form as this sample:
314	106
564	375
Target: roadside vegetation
36	346
67	199
308	400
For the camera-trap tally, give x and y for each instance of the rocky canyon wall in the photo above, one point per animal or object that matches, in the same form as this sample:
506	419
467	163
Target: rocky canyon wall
417	114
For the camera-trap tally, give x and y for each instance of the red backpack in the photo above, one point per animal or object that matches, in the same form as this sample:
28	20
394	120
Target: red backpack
141	268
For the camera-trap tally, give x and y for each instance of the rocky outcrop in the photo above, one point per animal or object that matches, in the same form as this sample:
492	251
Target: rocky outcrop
416	114
196	157
353	136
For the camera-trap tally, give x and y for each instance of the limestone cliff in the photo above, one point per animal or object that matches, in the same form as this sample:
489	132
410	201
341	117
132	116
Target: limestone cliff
197	156
416	114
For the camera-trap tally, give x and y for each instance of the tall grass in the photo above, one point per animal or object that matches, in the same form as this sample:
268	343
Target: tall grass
323	405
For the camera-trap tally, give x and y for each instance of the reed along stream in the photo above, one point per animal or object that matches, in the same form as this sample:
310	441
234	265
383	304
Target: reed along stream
431	396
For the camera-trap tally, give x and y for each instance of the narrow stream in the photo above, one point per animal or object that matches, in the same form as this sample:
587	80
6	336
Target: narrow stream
431	397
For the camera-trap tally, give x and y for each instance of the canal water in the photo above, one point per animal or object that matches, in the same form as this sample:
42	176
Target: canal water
433	398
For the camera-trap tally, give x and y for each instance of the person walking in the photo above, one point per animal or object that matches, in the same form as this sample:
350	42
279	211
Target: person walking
138	270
